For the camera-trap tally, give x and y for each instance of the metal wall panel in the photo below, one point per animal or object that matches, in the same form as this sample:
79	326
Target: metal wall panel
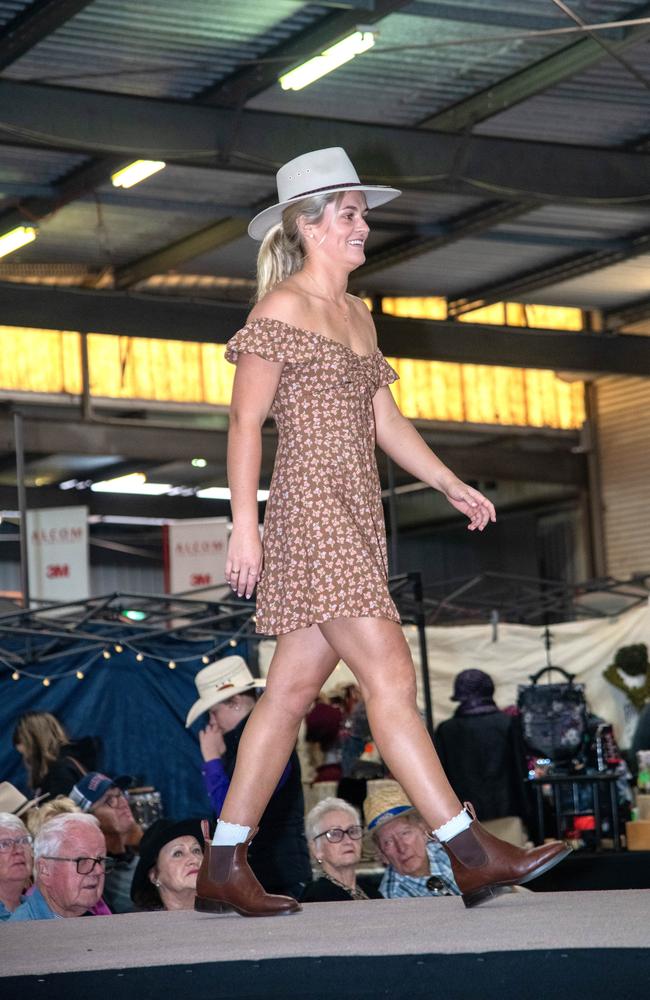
623	416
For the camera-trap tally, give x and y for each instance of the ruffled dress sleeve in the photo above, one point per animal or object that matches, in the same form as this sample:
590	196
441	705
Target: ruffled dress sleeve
385	374
272	340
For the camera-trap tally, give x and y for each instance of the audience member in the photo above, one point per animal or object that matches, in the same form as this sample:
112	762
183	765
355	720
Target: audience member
334	835
15	863
37	817
641	738
105	798
69	865
323	727
14	802
170	858
278	854
52	760
477	749
416	864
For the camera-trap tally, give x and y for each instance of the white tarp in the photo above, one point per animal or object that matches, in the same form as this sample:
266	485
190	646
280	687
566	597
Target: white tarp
584	648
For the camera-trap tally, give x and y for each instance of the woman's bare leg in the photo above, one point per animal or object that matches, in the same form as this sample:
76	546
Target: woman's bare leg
302	662
379	657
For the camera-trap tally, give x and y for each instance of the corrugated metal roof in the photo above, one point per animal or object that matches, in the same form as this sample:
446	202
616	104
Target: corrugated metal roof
25	167
10	8
458	268
161	48
112	234
604	289
403	87
605	106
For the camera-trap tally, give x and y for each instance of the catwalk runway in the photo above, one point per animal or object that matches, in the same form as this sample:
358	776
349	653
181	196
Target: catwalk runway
528	946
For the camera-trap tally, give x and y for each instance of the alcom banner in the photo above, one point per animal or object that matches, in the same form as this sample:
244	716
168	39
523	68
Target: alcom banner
57	549
195	556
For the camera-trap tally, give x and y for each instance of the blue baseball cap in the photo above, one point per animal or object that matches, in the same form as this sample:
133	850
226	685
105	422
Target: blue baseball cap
89	789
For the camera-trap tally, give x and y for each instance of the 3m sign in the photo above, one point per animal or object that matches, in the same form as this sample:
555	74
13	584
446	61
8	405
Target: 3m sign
57	548
195	556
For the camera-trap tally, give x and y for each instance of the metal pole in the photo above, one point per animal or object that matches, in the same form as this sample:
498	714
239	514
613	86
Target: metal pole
22	506
392	517
424	658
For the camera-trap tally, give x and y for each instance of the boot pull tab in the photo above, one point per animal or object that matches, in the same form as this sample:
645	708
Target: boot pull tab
205	830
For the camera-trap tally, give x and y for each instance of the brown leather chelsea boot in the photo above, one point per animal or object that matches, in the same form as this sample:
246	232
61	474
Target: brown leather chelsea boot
483	865
226	882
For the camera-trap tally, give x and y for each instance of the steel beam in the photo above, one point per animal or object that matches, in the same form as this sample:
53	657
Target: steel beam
245	83
33	24
64	118
533	79
167	258
619	316
496	460
550	274
207	321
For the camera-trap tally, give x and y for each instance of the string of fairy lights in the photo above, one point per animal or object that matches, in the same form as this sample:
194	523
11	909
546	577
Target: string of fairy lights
110	648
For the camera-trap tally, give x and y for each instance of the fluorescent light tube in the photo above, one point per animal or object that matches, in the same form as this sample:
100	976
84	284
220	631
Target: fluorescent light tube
135	172
332	58
223	493
16	238
136	482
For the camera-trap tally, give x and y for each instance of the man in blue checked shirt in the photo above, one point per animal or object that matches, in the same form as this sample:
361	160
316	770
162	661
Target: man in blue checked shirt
416	865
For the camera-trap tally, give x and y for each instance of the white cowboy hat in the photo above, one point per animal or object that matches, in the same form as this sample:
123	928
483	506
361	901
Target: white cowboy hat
221	680
322	171
13	801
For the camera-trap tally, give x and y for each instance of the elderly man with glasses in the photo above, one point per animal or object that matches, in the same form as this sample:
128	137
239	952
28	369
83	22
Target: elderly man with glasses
106	799
69	866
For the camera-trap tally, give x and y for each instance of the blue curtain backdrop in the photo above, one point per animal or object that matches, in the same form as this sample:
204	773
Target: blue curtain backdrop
137	709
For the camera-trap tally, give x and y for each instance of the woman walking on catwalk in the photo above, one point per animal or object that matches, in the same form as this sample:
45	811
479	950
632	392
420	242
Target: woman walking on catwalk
308	355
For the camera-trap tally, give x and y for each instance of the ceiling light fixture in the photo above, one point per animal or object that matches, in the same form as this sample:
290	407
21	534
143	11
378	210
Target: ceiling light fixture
16	238
135	482
223	493
353	45
199	463
135	172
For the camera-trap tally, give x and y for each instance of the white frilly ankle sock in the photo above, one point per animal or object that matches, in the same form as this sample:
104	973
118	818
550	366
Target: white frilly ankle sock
229	834
453	827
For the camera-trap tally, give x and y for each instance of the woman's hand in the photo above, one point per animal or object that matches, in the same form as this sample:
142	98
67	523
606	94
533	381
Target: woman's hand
471	503
211	742
244	561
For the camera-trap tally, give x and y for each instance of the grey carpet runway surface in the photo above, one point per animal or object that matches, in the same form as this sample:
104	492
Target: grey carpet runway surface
518	922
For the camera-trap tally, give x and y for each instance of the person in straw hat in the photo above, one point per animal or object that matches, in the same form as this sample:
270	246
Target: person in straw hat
279	855
308	356
416	865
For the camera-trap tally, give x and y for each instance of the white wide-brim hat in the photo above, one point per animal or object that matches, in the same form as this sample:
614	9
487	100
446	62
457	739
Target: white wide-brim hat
219	681
323	171
13	801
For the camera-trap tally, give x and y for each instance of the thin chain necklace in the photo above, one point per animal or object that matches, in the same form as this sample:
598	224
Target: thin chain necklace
344	310
356	893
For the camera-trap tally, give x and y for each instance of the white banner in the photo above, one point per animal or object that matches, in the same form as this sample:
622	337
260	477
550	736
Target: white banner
195	556
57	548
584	648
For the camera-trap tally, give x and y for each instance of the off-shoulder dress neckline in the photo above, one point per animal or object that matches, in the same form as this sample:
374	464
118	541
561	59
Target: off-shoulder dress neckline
321	336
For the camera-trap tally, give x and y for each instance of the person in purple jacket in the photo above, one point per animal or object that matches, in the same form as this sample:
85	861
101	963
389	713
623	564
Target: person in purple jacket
279	855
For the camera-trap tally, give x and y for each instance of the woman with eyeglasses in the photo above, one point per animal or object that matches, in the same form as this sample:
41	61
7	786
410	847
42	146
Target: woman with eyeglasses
334	834
15	863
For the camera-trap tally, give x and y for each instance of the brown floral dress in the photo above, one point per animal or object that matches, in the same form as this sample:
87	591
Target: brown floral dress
324	535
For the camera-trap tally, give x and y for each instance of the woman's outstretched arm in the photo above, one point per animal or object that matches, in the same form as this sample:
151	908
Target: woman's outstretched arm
401	441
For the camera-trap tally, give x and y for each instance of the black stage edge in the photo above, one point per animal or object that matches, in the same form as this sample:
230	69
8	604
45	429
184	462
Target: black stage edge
591	871
599	974
520	946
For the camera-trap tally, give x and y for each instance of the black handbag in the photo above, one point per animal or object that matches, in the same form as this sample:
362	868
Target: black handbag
553	716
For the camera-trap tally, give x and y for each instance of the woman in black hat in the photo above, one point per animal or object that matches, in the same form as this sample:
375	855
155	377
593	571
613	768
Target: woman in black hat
170	858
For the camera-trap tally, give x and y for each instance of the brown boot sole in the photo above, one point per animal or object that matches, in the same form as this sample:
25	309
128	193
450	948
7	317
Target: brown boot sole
203	905
471	899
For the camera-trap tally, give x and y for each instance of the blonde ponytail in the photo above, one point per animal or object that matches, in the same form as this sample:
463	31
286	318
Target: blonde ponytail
282	252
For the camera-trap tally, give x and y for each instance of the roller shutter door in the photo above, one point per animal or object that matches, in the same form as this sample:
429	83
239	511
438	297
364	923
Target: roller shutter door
623	414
